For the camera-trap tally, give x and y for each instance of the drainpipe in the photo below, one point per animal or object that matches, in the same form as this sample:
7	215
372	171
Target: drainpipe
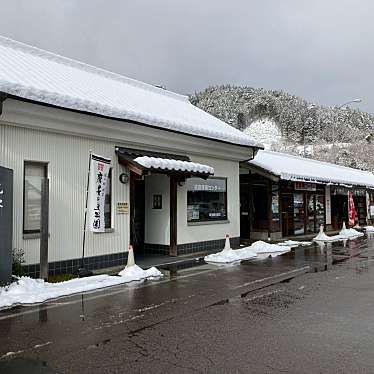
3	97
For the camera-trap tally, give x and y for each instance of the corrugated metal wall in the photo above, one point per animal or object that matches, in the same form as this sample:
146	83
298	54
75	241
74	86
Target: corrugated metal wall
67	158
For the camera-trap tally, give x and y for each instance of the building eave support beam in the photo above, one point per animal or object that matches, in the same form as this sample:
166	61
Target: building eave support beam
3	97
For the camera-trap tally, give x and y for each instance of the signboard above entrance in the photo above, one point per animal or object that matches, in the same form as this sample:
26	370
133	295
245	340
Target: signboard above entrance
305	186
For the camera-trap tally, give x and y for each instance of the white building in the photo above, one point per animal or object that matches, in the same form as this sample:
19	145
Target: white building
54	111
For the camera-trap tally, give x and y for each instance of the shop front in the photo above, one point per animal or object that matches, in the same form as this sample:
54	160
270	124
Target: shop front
284	195
281	208
340	209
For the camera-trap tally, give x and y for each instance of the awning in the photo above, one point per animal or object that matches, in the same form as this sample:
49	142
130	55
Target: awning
144	162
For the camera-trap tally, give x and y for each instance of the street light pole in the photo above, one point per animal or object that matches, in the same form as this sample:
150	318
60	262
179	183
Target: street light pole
333	127
349	102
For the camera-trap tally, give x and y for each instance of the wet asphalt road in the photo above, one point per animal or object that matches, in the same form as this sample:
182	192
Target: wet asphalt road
202	320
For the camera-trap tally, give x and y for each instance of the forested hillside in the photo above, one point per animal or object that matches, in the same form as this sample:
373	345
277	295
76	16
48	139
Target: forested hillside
341	135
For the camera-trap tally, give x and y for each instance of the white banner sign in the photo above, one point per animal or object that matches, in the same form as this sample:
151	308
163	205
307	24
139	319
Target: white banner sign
99	170
328	204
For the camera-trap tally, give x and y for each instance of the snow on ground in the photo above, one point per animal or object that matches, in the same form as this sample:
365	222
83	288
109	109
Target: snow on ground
344	234
369	228
294	243
231	255
29	291
136	273
258	250
350	233
322	237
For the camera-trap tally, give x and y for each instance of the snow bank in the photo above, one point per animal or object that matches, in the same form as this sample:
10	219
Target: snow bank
136	273
29	291
231	255
258	249
350	233
294	243
344	234
267	248
322	237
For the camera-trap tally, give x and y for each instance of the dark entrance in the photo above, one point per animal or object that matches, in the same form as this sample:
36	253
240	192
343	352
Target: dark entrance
6	224
287	209
339	211
245	213
137	212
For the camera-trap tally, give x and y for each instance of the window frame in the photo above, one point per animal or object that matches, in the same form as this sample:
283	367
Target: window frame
210	222
45	167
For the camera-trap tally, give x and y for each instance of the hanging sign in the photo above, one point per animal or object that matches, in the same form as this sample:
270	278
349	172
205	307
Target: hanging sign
305	186
99	170
328	204
351	210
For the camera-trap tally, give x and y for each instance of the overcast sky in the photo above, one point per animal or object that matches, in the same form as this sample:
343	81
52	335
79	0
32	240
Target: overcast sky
322	50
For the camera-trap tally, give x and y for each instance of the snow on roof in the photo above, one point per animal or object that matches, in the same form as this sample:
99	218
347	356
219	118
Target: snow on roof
168	164
294	168
41	76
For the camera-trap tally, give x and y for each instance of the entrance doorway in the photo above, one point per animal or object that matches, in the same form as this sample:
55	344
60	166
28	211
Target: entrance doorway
137	212
244	208
287	209
339	211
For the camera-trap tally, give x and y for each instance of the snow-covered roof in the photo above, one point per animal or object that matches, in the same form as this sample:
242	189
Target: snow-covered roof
169	164
41	76
294	168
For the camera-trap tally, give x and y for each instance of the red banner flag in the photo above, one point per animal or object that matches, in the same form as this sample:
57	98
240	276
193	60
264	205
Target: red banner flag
351	210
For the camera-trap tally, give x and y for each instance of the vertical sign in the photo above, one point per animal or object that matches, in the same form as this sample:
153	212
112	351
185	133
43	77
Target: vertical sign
99	170
367	207
351	210
6	224
328	204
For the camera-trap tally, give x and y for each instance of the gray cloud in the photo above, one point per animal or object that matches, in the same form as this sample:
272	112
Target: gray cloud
321	50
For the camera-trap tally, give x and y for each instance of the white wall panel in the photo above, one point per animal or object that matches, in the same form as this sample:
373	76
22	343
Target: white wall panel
67	158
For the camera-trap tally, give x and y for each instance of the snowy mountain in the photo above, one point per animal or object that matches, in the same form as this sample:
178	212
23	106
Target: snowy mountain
289	123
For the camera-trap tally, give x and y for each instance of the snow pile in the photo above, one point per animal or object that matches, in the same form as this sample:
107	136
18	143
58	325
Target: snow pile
258	249
344	234
261	247
29	291
231	255
294	243
350	233
322	237
136	273
168	164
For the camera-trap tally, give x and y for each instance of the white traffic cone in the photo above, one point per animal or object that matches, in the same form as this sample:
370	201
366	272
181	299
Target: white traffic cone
344	227
227	243
130	257
321	229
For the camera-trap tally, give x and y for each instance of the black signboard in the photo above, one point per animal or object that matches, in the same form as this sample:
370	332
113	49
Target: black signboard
6	224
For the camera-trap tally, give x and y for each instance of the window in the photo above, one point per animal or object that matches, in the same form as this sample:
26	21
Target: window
34	172
157	201
108	202
206	199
